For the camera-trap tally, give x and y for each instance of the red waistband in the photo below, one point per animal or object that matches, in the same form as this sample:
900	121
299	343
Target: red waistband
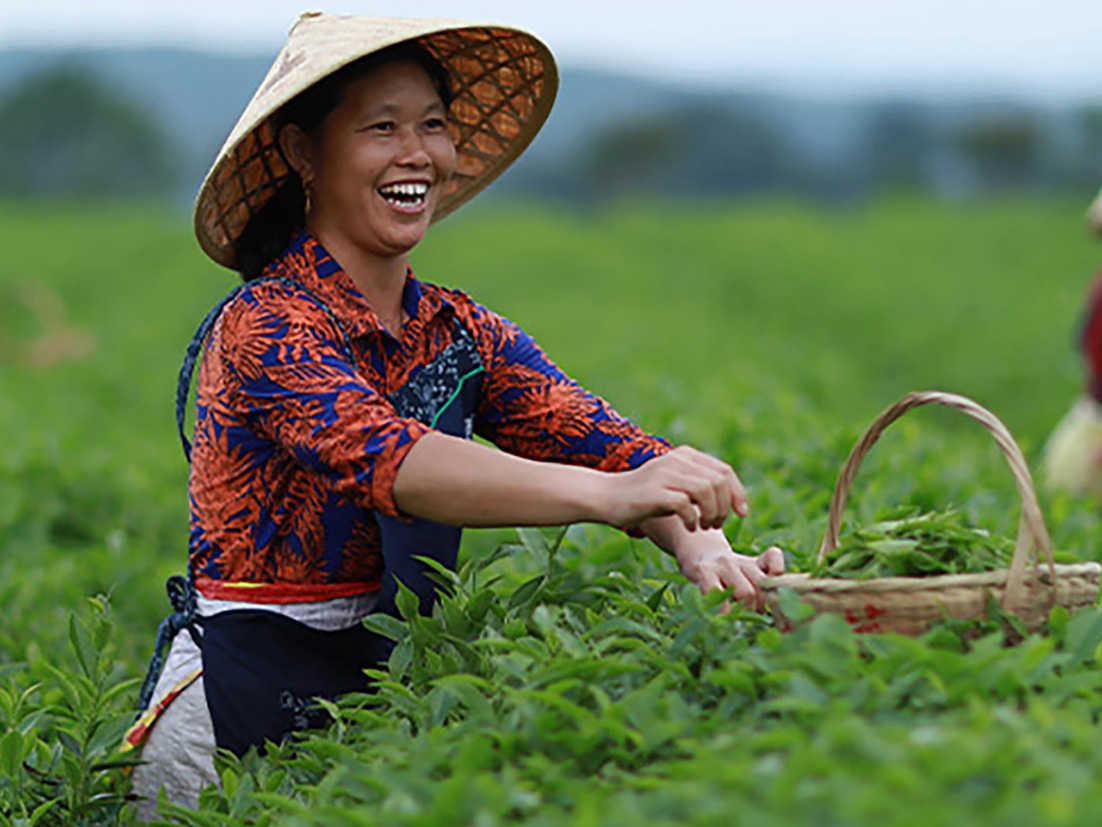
281	592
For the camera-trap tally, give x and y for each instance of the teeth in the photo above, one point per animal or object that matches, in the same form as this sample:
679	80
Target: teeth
410	190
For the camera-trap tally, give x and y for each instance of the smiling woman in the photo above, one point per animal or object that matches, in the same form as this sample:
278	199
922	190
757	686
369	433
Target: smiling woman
374	169
338	393
354	107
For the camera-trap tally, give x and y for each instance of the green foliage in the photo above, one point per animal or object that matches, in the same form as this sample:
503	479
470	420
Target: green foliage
589	702
916	545
60	758
573	677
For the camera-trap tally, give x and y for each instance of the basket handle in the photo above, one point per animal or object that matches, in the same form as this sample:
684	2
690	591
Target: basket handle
1031	528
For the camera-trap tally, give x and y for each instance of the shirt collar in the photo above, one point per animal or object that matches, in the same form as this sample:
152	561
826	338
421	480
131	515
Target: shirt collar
307	262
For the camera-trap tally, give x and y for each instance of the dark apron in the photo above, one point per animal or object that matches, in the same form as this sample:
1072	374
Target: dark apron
262	671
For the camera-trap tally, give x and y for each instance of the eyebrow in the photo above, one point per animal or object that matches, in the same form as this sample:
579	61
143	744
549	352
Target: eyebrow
392	109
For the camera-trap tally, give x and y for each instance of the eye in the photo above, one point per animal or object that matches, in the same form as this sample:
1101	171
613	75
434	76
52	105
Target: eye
384	127
435	124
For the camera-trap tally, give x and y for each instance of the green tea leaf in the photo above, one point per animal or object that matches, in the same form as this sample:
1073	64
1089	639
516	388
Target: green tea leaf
655	599
916	545
526	592
386	626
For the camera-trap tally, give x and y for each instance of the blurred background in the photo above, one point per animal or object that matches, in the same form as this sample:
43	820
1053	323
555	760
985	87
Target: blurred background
700	98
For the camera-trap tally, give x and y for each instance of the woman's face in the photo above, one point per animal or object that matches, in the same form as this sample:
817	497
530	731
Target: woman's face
380	161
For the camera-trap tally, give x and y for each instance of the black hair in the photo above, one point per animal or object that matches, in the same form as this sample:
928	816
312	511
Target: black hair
270	229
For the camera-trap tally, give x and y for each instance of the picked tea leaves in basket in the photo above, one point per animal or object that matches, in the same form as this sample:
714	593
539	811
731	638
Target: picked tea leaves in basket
904	574
913	544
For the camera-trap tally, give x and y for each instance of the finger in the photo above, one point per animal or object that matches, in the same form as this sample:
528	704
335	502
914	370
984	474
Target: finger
752	571
744	591
722	490
681	504
712	509
771	561
738	496
688	469
720	482
704	578
739	501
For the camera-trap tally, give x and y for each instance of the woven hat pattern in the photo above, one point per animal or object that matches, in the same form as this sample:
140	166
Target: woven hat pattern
504	81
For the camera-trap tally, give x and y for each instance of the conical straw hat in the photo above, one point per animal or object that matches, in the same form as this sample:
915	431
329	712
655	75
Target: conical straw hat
504	81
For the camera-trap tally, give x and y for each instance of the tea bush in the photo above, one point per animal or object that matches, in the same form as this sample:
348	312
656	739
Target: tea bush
575	678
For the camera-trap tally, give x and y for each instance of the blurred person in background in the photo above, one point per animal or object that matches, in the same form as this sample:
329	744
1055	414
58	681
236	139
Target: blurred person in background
338	393
1073	454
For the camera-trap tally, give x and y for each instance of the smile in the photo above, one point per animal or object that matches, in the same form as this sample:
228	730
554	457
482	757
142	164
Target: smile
406	196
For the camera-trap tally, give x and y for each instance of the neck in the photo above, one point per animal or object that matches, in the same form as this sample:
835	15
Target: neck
381	279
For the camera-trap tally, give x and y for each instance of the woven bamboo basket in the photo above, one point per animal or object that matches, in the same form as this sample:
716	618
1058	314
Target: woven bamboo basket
909	605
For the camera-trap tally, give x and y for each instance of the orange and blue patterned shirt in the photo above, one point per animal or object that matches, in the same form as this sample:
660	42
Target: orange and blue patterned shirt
296	449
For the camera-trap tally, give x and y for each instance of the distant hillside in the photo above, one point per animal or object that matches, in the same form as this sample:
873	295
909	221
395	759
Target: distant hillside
815	145
196	96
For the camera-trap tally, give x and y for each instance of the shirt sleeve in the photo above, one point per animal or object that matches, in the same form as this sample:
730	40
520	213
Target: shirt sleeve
291	382
532	409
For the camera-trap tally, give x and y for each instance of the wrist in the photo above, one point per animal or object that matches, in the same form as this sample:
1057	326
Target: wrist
669	534
592	494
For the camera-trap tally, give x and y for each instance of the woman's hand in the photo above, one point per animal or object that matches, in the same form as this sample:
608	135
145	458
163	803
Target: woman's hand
699	489
716	566
707	559
457	482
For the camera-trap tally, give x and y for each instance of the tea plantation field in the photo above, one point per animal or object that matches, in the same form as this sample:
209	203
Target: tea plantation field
576	679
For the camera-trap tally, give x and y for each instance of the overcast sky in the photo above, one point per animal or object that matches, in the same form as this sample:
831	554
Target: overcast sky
1042	48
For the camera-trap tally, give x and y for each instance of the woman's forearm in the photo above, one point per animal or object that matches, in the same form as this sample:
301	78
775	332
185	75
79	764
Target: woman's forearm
458	482
679	500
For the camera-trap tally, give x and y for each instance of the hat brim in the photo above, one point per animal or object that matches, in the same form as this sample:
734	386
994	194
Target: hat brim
504	82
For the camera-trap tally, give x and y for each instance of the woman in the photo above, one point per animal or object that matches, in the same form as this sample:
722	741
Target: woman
338	393
1073	453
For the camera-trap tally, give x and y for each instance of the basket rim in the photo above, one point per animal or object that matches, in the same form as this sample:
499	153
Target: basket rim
804	582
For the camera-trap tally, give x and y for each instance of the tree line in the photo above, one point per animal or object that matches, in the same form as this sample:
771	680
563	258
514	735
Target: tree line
714	151
65	132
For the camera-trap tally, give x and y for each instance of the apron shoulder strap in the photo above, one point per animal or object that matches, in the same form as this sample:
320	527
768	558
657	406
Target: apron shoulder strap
195	346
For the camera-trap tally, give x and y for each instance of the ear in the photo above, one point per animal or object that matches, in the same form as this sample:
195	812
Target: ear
298	150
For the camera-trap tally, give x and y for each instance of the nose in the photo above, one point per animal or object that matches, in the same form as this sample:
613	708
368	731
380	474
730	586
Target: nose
412	152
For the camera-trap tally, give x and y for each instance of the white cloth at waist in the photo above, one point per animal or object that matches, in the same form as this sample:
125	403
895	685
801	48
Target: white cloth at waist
323	615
